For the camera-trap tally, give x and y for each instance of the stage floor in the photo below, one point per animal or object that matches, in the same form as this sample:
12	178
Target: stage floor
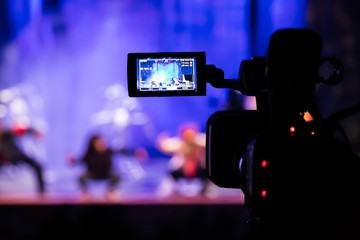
133	199
146	183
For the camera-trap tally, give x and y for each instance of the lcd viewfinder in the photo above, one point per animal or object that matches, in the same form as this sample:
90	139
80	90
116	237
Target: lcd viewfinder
166	74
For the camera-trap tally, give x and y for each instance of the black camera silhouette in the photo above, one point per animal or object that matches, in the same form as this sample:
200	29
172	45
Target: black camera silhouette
287	159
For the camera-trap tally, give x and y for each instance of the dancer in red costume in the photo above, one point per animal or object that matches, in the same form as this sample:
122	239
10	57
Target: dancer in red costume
188	150
11	154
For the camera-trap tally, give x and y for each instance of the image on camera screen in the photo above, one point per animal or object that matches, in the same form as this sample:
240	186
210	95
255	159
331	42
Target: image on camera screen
166	74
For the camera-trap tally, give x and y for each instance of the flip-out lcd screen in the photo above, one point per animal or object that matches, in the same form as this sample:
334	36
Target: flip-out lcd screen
165	74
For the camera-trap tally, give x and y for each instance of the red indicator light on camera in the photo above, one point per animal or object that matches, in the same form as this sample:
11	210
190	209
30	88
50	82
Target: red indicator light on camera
263	193
264	163
292	129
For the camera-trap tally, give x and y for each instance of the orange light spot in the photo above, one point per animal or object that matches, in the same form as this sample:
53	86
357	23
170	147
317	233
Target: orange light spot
308	117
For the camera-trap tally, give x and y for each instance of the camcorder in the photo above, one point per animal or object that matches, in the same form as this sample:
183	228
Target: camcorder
284	155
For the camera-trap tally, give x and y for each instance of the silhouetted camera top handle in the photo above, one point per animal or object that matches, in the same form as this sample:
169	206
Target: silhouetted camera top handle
284	81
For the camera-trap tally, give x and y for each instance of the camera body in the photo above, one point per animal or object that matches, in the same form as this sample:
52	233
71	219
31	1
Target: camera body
275	152
263	144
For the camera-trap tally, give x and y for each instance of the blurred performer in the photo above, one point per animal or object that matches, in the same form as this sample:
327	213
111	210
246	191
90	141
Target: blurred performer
10	153
188	160
98	159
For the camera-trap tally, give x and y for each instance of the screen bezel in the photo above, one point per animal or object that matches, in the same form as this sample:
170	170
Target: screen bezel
132	74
